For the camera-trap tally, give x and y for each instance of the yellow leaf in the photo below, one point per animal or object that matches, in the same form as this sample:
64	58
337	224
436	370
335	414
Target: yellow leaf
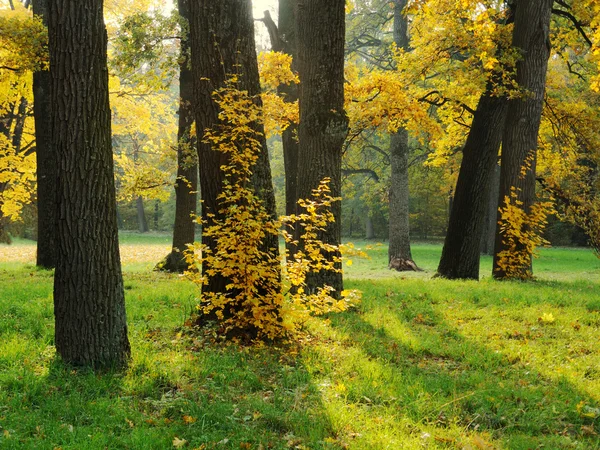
178	443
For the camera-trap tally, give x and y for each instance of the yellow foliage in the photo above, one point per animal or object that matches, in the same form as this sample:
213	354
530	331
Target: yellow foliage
253	299
521	234
276	70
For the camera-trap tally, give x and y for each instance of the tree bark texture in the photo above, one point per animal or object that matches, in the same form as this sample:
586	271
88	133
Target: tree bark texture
531	35
89	306
320	30
399	229
186	185
491	215
45	158
287	33
222	45
461	252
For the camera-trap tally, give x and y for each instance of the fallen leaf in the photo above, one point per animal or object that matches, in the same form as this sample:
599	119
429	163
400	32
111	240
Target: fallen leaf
178	443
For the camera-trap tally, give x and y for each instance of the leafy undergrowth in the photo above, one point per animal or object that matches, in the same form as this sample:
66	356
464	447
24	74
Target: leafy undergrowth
420	363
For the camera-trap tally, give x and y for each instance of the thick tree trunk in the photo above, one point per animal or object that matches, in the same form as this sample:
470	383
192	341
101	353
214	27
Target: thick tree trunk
531	35
461	252
399	229
320	30
186	185
89	304
141	215
489	232
222	45
45	158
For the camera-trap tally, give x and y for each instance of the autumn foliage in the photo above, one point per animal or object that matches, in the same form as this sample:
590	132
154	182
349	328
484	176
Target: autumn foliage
254	303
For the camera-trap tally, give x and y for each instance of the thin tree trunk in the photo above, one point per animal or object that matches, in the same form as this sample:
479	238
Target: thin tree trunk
222	45
283	39
531	35
186	186
399	230
287	33
45	158
17	134
320	29
369	232
89	303
141	216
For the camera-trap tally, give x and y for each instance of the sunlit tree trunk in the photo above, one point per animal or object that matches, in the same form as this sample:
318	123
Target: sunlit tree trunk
531	35
320	29
399	229
89	304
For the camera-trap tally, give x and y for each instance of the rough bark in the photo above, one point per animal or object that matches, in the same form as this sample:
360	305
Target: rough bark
489	229
399	229
45	159
287	22
531	35
320	30
186	186
283	39
222	44
461	252
89	306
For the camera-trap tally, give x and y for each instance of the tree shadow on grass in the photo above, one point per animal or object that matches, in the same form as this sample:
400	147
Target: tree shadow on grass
194	394
404	359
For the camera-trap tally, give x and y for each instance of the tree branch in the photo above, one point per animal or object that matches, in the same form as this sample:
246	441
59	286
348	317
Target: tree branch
574	21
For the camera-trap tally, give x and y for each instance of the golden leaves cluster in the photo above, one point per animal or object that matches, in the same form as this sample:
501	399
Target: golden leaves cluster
521	233
254	299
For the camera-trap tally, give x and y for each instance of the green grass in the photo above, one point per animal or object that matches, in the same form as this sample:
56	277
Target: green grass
421	363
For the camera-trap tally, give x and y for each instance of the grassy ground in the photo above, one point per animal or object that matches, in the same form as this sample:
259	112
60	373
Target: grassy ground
421	363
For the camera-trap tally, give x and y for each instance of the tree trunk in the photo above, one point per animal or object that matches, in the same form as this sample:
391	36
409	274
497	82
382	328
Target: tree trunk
320	30
222	45
17	135
186	186
531	35
461	252
399	229
141	215
283	39
489	228
89	304
45	158
289	138
369	232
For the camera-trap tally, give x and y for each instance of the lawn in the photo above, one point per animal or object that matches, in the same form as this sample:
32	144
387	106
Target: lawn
420	363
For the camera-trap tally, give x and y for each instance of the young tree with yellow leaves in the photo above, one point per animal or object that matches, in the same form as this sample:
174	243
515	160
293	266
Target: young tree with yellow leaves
222	48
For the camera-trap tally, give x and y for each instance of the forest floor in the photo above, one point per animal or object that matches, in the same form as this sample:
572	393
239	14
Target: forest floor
420	363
